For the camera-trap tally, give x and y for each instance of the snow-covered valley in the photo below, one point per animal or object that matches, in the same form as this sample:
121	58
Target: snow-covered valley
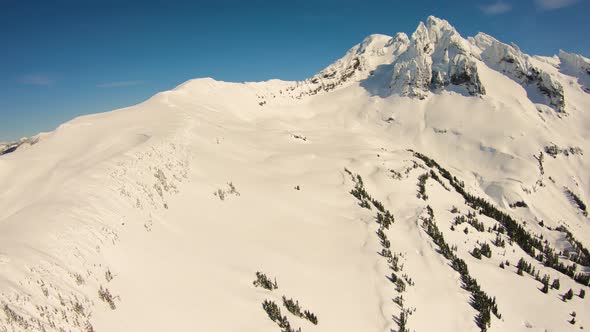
356	191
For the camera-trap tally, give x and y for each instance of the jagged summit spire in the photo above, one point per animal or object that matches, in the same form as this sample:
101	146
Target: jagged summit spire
435	58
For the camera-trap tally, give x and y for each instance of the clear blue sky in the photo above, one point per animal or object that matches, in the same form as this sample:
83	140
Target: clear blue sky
63	58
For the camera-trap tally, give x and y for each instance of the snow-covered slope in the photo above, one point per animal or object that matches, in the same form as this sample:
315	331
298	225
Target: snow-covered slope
363	192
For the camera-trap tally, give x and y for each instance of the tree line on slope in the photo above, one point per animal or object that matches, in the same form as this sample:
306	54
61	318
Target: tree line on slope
581	205
480	301
525	240
385	218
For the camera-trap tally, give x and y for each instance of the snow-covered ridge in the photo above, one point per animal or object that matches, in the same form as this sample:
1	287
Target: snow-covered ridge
511	61
577	66
438	58
383	194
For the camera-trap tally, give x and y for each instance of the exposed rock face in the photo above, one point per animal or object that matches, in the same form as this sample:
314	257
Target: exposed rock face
437	57
509	60
9	147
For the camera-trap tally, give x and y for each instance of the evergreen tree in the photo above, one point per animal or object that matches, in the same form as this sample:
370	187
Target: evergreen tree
486	250
545	282
582	293
568	295
403	320
555	284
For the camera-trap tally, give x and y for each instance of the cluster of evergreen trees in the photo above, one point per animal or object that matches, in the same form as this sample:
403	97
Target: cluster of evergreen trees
472	220
402	321
310	316
532	245
524	266
422	186
583	255
295	309
483	250
105	295
274	313
554	150
498	241
480	301
384	218
581	205
264	281
437	179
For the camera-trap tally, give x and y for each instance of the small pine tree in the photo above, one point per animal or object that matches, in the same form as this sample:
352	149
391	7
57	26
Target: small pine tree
582	293
501	265
568	295
403	320
400	286
545	282
555	284
486	250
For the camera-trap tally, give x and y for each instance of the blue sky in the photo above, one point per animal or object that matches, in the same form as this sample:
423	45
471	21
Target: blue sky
64	58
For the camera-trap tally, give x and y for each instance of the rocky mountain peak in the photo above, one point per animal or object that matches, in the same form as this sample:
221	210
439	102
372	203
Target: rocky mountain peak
437	58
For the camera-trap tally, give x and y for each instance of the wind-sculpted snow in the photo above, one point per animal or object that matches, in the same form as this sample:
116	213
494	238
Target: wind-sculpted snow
577	66
512	62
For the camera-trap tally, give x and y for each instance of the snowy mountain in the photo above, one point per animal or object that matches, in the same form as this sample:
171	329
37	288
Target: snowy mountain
9	147
431	182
